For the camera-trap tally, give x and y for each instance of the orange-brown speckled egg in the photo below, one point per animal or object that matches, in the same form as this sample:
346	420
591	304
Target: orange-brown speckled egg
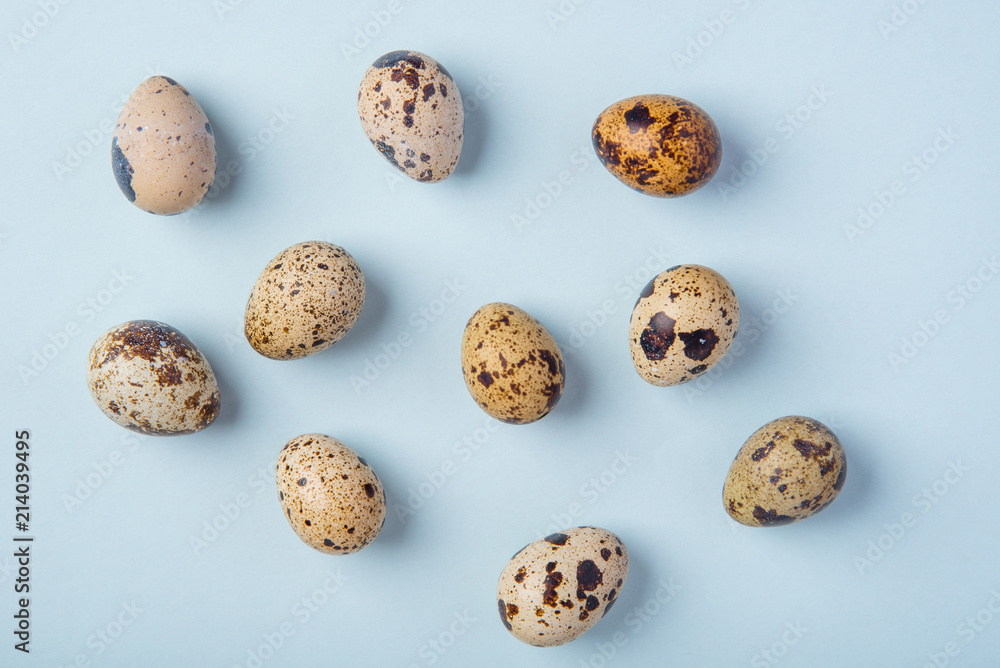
683	323
411	110
660	145
306	299
148	377
331	497
789	469
163	148
512	365
557	588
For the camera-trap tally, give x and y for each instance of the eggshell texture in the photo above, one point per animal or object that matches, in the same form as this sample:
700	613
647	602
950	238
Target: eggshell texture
789	469
555	589
683	323
163	148
306	299
331	497
660	145
411	110
148	377
512	365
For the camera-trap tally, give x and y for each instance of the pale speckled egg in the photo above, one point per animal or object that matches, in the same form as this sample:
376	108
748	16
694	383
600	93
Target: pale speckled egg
306	299
331	497
412	112
148	377
789	469
512	366
683	323
163	148
659	145
557	588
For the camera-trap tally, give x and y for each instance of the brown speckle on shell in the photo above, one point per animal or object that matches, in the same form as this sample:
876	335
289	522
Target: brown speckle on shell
659	145
789	469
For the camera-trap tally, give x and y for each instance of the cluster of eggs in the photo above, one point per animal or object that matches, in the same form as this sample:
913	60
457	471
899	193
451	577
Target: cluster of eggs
148	377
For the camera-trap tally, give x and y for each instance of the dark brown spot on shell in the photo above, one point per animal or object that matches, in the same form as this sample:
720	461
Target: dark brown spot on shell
588	575
658	336
699	344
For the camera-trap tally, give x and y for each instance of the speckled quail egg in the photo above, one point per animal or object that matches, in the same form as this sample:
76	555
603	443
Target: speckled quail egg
789	469
331	497
512	366
411	110
659	145
683	323
148	377
163	148
557	588
306	299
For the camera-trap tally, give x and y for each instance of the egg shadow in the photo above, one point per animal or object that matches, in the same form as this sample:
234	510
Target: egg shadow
734	153
855	498
577	387
225	182
475	134
229	400
359	339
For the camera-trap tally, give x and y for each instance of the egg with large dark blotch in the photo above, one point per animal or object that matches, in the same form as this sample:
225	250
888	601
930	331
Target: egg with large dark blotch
163	148
659	145
682	325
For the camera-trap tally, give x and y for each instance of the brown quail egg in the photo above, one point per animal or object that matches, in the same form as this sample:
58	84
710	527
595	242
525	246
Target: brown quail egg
148	377
331	497
789	469
557	588
306	299
163	148
411	110
683	323
512	365
660	145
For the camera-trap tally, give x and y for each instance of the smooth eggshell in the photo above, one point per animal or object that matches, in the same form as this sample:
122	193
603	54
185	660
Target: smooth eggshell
659	145
412	112
163	149
306	299
789	469
555	589
683	323
512	366
331	497
148	377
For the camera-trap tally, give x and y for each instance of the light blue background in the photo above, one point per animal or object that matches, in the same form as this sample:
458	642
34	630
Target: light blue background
534	85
